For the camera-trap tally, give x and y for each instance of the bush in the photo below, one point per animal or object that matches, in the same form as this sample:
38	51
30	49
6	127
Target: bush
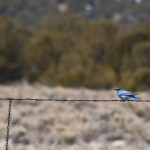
141	54
12	41
138	80
67	51
72	51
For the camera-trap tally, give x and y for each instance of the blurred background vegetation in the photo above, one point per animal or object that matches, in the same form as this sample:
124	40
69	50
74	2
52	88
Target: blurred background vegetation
95	44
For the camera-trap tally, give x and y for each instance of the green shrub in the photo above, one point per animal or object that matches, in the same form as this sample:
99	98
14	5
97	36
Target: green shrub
137	80
141	54
12	41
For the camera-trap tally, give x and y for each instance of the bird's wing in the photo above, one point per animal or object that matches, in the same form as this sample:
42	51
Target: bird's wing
128	92
129	96
135	98
126	95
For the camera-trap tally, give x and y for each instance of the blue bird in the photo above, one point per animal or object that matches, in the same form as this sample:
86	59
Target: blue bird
126	95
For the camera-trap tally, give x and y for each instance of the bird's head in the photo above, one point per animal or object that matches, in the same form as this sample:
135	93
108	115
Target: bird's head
118	89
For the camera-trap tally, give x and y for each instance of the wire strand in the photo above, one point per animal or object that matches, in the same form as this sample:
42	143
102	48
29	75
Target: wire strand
69	100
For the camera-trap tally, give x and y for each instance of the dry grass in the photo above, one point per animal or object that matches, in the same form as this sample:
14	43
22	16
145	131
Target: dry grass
73	126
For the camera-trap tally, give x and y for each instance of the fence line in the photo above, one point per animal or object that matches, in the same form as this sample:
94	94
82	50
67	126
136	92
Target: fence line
50	100
69	100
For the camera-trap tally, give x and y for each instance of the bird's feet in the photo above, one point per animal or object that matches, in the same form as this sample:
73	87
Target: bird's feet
123	100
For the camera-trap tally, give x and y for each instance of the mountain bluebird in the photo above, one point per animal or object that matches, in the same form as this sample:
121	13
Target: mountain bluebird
125	95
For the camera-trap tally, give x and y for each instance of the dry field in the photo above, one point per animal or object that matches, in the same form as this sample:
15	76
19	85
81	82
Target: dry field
73	126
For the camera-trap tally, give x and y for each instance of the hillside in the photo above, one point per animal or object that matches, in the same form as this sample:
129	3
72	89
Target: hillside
33	12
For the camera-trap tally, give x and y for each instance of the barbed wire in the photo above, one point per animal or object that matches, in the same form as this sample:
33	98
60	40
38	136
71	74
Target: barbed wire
69	100
50	100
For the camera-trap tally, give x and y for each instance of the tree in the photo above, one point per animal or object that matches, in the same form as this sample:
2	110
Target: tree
141	54
12	40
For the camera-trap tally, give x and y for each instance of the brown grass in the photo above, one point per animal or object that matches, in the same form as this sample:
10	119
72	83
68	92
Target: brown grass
73	126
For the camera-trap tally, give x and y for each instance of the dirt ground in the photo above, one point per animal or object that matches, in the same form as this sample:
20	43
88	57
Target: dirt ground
73	125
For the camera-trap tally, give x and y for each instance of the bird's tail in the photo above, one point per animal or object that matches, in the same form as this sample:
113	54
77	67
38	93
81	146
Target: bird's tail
135	98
